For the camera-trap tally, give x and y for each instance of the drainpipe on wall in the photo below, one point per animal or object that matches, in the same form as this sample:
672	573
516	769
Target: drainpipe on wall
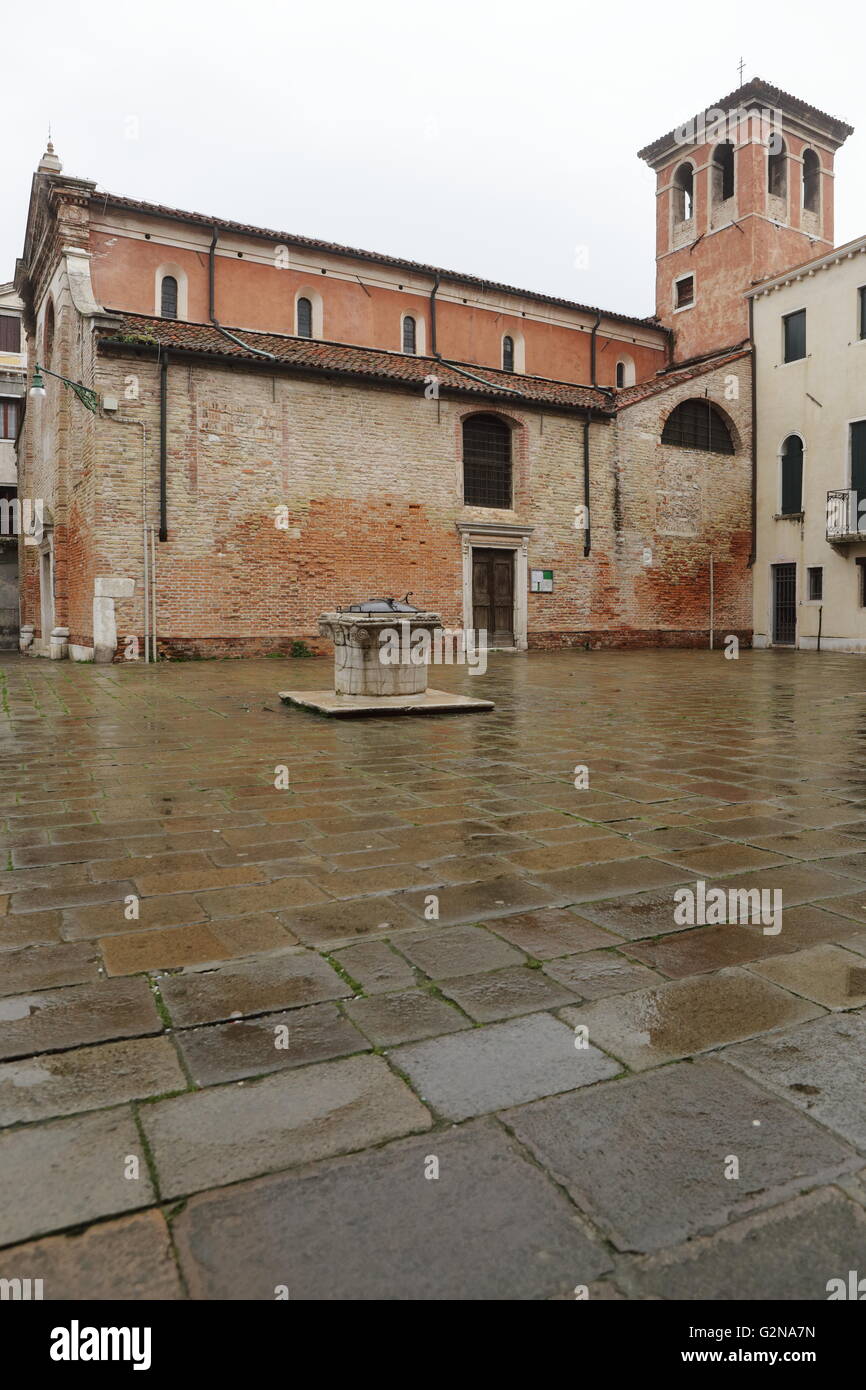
163	442
212	298
433	294
751	560
592	353
587	537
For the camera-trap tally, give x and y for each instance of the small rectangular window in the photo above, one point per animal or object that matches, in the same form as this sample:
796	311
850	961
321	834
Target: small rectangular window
861	294
815	575
8	419
861	580
685	291
10	333
795	335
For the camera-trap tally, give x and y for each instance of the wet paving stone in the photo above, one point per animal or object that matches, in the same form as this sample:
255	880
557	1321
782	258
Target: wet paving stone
320	1232
455	951
270	1042
594	974
830	975
646	1155
46	966
129	1259
76	1015
475	901
262	986
501	1064
338	924
683	1017
789	1253
376	967
817	1066
618	878
507	993
193	945
390	1019
87	1078
551	932
225	1133
89	1153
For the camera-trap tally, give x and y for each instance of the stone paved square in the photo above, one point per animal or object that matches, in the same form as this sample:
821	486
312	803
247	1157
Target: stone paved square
430	989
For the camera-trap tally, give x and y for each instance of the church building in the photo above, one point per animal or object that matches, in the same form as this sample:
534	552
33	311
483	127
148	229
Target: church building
267	426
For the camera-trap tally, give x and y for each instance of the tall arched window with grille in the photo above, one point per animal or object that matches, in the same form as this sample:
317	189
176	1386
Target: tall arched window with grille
168	297
486	462
409	334
507	354
698	424
791	488
305	318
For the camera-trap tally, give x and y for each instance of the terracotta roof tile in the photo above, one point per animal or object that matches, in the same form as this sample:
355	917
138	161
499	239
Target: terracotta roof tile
663	381
341	359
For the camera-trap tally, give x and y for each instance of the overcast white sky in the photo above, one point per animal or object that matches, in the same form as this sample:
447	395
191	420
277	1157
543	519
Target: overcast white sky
492	138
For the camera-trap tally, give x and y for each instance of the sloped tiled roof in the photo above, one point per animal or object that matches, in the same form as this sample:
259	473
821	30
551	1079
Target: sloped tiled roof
105	200
663	381
346	360
757	90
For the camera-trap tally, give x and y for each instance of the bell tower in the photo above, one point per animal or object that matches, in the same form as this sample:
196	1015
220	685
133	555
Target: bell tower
744	191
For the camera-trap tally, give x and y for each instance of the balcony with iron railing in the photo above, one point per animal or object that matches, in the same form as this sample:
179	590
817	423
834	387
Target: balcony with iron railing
846	516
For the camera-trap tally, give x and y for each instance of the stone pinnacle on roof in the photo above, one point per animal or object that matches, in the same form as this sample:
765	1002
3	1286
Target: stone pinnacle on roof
49	163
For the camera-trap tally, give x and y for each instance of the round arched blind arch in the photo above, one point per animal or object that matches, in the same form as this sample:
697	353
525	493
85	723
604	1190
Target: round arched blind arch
168	297
698	424
486	462
305	318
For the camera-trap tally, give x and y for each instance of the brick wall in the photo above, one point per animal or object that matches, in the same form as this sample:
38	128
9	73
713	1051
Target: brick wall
371	480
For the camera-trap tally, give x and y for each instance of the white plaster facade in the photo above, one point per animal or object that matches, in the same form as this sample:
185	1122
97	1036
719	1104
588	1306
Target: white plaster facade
817	397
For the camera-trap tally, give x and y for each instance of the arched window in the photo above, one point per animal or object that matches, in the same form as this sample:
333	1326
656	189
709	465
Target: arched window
777	168
620	374
625	371
507	354
486	462
168	297
698	424
792	475
684	191
305	318
723	172
811	181
409	334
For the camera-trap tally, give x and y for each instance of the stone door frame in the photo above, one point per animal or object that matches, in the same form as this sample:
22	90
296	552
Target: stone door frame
475	535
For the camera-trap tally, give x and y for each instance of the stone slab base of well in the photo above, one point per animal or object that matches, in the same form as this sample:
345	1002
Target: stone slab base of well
348	706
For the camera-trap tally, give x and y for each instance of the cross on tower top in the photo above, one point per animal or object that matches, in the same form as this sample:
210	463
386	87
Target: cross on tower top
740	66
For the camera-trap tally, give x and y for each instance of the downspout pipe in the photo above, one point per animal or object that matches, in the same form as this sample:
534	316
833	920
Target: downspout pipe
163	447
260	352
593	363
587	535
752	555
433	294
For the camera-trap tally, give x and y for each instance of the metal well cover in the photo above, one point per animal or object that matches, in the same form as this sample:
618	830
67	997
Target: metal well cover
381	605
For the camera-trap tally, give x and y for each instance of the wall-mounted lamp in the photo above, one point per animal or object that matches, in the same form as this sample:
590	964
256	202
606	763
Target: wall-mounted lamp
88	397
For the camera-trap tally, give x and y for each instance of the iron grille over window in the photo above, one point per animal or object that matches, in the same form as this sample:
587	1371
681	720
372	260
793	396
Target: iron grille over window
486	462
305	318
409	334
795	335
816	582
168	297
10	333
698	424
862	296
508	354
792	476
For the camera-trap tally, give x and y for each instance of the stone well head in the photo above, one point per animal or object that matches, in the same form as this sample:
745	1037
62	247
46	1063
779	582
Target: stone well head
373	648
